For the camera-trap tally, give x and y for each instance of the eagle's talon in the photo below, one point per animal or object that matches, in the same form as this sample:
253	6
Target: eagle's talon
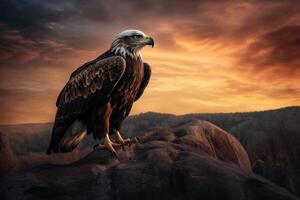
120	140
109	145
116	145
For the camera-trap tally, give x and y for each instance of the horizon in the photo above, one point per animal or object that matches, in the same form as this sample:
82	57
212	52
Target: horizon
242	60
142	113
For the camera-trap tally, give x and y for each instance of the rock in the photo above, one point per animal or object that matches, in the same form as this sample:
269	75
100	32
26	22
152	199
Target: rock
195	160
8	161
272	140
213	141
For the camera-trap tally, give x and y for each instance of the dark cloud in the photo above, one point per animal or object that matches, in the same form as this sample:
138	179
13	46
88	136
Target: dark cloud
30	18
56	21
276	53
72	21
265	16
89	25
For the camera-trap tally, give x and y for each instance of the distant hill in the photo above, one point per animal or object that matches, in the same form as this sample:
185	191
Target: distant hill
26	138
226	121
271	138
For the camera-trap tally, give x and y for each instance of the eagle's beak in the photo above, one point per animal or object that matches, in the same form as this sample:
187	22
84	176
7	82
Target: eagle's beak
148	41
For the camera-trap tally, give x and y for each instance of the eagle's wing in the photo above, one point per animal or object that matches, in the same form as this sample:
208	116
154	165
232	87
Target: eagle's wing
102	75
145	81
93	82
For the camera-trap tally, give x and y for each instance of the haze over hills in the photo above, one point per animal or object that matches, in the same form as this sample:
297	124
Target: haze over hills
271	138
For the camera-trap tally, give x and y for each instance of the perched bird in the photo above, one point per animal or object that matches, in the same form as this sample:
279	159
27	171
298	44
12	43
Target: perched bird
99	95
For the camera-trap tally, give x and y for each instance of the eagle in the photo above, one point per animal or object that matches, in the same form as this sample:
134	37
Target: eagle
99	95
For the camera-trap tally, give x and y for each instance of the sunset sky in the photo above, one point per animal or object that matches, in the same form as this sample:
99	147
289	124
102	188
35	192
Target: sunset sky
209	56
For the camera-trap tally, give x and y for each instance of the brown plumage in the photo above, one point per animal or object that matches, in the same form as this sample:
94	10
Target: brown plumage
99	95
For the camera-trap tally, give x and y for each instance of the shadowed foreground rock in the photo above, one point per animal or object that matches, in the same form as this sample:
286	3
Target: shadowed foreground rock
196	160
272	140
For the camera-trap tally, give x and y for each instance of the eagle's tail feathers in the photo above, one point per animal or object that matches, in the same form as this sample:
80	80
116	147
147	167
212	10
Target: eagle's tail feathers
70	138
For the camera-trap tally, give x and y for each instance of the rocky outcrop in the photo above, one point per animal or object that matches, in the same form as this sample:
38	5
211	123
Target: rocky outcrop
212	141
8	161
272	140
195	160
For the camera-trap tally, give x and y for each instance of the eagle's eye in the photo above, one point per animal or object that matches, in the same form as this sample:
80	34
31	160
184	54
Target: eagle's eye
138	37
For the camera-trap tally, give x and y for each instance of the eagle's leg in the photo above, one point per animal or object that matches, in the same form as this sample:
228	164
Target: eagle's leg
105	113
116	126
108	144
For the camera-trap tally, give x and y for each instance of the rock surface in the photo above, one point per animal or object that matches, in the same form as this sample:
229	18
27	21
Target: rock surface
272	140
194	160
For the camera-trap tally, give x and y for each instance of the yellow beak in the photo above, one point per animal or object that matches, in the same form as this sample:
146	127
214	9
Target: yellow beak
148	41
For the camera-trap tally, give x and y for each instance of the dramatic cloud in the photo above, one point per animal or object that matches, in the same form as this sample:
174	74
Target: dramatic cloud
210	56
276	52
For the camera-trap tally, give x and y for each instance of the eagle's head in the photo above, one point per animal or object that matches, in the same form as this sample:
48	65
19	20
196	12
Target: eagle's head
130	42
